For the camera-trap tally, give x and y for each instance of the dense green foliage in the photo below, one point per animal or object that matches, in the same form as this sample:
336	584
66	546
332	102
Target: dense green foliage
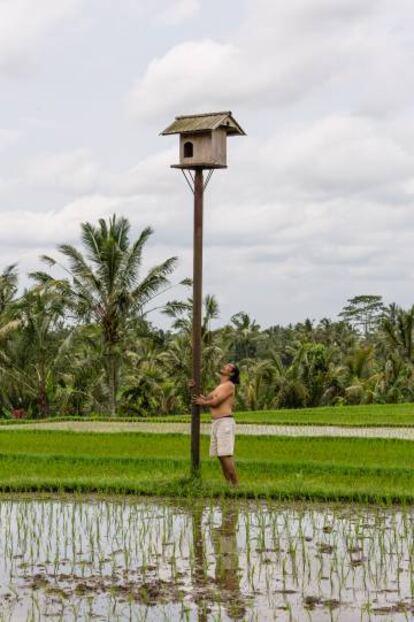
309	468
79	340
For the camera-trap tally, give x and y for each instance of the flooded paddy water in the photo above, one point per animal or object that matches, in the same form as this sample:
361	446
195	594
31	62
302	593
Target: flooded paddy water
69	559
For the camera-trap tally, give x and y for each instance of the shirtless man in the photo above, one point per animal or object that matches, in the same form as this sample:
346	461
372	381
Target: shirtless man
220	401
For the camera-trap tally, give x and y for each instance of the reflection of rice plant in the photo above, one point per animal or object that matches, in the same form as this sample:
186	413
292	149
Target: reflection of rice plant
279	555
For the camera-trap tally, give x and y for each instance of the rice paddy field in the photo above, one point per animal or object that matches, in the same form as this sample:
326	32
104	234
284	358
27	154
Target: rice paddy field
328	469
90	559
110	526
368	415
378	415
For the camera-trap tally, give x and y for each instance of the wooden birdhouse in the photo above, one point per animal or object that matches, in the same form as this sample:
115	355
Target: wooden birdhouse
203	139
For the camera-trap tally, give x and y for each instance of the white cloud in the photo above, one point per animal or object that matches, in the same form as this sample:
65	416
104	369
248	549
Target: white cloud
74	172
316	205
46	229
282	52
191	76
148	177
176	12
24	23
8	138
164	12
340	154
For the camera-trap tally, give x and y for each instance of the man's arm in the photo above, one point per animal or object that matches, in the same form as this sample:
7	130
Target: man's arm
213	400
191	386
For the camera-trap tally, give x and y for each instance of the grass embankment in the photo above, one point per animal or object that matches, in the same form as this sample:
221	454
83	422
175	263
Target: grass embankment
357	469
369	415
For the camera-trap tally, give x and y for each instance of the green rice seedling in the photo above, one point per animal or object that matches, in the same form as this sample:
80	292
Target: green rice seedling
272	577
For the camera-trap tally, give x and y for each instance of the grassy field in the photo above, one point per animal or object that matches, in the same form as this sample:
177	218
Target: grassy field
356	469
370	415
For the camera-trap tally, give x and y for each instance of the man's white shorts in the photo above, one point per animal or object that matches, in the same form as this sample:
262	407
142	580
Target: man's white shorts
222	438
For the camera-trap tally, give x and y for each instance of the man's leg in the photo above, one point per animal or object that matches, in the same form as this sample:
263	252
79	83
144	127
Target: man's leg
224	469
229	469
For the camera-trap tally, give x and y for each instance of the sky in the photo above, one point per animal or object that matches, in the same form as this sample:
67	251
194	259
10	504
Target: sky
316	205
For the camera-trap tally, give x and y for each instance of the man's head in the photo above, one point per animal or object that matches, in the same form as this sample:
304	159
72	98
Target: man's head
231	372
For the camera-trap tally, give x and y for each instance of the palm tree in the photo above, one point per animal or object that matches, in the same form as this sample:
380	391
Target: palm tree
177	356
143	379
257	390
242	337
31	357
358	376
291	389
268	383
9	322
8	287
42	310
106	286
398	327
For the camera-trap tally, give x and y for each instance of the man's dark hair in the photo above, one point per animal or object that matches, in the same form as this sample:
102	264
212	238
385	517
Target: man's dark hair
235	375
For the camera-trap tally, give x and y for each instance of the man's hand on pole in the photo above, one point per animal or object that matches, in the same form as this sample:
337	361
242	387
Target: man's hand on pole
200	400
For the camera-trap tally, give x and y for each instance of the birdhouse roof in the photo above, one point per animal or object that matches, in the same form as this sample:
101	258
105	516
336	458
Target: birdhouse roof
189	124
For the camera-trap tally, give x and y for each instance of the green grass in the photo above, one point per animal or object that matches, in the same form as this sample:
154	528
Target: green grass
370	415
355	469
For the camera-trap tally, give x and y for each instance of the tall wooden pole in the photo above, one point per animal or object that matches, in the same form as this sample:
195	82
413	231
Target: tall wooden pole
197	312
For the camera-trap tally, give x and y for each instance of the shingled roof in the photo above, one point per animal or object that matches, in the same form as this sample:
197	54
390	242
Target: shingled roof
190	124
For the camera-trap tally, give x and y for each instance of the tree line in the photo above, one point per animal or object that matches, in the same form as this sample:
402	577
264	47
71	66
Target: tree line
80	341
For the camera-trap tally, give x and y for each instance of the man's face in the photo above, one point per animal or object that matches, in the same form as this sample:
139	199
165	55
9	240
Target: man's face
227	369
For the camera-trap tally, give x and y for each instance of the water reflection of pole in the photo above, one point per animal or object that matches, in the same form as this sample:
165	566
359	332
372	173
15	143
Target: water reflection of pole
199	575
227	572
